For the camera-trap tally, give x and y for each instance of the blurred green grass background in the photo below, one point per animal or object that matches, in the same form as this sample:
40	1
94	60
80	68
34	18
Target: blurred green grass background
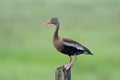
26	49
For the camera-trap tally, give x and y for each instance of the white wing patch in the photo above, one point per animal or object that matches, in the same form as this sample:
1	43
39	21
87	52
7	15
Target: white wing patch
74	45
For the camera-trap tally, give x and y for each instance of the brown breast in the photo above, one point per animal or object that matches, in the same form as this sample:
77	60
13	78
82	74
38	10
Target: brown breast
58	44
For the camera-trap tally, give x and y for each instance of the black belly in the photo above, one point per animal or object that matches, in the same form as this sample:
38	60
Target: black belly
70	50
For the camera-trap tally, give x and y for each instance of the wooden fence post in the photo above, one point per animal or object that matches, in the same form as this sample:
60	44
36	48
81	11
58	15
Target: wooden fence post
62	74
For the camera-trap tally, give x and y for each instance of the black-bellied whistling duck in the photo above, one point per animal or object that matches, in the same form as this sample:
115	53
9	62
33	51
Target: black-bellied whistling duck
67	46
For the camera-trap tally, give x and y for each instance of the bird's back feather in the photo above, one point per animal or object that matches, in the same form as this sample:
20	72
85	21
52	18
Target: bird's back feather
71	47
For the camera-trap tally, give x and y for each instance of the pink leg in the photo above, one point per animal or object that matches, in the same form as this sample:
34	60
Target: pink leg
67	65
70	64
